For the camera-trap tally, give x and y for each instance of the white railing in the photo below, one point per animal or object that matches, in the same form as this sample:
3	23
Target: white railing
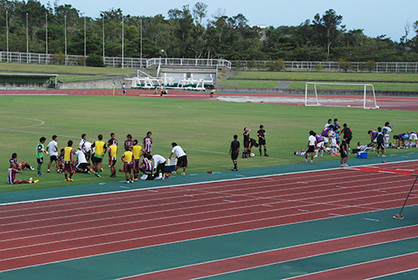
411	67
188	62
129	62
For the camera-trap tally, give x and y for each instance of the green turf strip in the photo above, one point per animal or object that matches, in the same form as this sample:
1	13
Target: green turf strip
106	187
138	261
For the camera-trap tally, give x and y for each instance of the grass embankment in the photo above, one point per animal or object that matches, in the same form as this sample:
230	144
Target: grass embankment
67	73
204	129
381	81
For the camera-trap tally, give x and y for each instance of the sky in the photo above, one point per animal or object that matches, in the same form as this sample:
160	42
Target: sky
375	17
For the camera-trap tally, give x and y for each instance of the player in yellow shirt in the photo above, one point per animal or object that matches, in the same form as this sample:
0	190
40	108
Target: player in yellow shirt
113	149
99	150
127	159
68	161
137	152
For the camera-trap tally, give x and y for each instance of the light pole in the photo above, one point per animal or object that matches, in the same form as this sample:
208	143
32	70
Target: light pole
27	38
85	38
140	47
46	38
65	33
104	61
123	39
7	35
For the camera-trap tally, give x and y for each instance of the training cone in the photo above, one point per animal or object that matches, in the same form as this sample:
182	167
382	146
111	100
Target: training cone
384	161
209	171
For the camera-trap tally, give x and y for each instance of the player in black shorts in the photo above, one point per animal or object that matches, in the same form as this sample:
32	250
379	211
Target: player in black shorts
234	152
262	140
246	136
347	134
380	142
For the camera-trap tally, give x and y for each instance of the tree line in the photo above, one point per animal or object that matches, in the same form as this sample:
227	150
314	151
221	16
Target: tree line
189	32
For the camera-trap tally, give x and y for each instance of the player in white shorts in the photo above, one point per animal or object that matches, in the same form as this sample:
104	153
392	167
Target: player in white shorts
413	139
333	142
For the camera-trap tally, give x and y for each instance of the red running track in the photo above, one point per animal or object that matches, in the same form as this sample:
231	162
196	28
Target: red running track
384	102
58	230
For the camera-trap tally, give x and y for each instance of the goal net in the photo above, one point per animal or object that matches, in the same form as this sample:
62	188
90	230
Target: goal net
340	95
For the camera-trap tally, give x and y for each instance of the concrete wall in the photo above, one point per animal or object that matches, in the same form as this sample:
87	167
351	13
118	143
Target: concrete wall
96	84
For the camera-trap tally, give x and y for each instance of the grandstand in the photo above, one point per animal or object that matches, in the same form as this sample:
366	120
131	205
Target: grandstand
185	74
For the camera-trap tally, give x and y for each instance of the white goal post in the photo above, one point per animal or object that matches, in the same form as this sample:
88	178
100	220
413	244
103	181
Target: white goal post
316	102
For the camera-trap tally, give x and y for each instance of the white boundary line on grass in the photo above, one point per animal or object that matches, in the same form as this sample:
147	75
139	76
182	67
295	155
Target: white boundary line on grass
183	184
41	122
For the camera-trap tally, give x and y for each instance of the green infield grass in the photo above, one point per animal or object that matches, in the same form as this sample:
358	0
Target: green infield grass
381	81
203	128
247	83
301	85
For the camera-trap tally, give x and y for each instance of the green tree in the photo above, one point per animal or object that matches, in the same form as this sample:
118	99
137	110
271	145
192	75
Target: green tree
326	28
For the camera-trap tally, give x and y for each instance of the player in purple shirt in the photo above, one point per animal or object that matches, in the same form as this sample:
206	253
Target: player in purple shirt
325	133
147	143
320	145
400	140
373	138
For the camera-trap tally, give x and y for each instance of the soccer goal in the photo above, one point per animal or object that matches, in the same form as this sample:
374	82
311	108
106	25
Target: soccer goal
333	94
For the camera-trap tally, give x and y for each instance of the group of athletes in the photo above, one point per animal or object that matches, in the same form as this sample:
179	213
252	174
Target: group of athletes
380	138
333	139
88	157
337	141
248	144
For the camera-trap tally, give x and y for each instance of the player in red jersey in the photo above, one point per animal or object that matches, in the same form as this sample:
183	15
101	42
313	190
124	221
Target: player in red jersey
147	143
11	177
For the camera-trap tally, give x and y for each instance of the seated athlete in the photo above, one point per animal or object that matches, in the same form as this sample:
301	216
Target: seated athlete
147	167
11	177
19	165
361	147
